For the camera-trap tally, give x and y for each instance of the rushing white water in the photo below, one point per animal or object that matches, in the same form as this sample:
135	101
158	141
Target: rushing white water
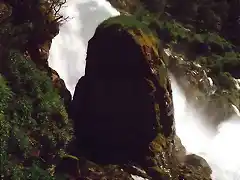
221	151
68	50
67	57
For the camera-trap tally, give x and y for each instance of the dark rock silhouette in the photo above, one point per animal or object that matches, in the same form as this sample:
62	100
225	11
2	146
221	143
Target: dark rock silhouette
113	100
122	108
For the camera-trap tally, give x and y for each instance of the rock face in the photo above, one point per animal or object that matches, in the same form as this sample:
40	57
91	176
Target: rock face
194	160
119	105
122	108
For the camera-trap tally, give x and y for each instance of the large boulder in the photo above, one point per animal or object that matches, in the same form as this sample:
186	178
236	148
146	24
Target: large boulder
124	99
197	161
122	108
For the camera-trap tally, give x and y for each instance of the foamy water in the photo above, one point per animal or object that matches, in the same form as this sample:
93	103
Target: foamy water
221	150
68	50
67	57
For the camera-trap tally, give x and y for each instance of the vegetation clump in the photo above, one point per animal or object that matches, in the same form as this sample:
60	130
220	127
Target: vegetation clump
35	128
34	120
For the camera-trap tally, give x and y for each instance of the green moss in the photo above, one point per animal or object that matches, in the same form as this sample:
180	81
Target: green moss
147	40
128	22
139	31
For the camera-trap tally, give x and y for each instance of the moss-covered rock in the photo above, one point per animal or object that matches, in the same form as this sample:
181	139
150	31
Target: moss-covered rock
122	107
123	90
35	128
33	118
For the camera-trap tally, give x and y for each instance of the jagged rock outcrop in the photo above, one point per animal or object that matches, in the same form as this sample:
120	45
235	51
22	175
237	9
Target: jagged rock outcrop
122	108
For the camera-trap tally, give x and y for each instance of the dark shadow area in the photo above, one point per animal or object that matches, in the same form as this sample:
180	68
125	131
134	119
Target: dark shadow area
112	110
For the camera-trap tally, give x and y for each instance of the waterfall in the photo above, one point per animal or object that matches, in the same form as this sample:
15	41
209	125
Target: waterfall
221	150
67	57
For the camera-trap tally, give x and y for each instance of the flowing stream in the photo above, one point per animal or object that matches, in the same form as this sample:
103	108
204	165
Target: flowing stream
67	57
